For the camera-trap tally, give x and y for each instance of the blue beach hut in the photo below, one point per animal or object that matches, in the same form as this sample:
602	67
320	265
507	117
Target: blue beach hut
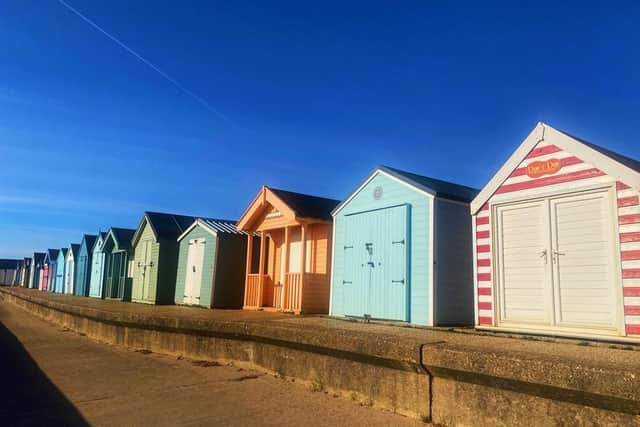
60	270
83	265
403	251
96	290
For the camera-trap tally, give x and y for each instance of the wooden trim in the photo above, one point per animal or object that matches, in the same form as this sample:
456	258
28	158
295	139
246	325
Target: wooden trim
303	264
263	245
249	262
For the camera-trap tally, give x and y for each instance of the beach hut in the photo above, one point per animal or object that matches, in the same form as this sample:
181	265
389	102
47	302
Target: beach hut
52	258
43	283
36	267
211	264
402	250
155	257
52	262
25	272
70	268
557	240
293	270
61	264
118	263
96	289
9	274
83	265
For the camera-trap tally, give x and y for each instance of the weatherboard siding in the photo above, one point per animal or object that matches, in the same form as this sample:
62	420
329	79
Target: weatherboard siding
138	291
97	270
394	193
573	175
198	232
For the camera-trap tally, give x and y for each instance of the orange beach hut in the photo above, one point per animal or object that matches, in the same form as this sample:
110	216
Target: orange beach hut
293	270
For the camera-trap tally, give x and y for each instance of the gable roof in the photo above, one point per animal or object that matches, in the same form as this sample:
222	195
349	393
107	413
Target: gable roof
121	237
305	205
100	236
75	248
289	203
63	251
164	225
52	254
432	186
89	240
38	257
9	264
620	167
213	226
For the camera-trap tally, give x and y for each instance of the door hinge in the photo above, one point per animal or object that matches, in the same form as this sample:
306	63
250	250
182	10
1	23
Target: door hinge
398	242
398	281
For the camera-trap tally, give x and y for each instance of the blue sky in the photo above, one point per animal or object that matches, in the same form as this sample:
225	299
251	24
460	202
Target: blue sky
302	96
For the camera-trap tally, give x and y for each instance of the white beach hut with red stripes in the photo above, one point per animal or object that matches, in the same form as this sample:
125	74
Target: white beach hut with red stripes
557	234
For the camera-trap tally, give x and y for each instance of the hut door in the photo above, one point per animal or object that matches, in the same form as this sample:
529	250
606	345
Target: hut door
193	277
582	259
387	264
523	242
145	270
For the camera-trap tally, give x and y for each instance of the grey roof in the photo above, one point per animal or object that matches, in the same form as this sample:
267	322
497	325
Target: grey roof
9	264
38	257
75	248
222	225
439	188
165	225
123	236
307	206
52	254
627	161
89	240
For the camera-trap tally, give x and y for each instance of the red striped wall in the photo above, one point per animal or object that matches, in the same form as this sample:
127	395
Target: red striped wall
572	169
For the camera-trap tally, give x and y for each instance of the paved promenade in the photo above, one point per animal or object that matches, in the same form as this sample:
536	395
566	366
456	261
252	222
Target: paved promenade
51	376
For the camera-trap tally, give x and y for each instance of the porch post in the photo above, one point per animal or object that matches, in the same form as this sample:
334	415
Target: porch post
249	262
287	254
303	261
263	246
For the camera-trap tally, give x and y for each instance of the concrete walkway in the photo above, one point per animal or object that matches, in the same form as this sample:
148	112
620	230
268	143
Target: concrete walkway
52	376
452	376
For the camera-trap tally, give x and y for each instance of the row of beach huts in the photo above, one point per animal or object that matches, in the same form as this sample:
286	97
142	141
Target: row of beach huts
551	245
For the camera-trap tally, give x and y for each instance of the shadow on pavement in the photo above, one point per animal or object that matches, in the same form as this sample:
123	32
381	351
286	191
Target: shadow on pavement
27	396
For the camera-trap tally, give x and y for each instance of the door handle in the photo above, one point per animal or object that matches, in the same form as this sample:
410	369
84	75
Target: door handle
556	254
543	254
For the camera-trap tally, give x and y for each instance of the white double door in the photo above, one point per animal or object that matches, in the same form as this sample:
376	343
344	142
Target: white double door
555	265
193	275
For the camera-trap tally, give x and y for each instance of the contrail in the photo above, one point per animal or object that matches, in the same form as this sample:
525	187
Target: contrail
145	61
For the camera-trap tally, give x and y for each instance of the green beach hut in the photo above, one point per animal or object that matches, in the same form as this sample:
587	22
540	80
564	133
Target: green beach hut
117	267
155	256
212	263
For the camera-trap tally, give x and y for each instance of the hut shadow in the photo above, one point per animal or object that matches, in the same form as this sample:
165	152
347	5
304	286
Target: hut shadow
27	396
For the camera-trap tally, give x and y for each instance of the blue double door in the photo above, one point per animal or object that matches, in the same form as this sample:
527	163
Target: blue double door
376	256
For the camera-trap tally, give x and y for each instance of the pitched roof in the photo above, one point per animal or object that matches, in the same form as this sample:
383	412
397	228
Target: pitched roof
621	167
221	225
164	225
214	225
75	248
38	257
64	252
620	158
437	187
53	254
305	205
123	236
9	264
89	240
